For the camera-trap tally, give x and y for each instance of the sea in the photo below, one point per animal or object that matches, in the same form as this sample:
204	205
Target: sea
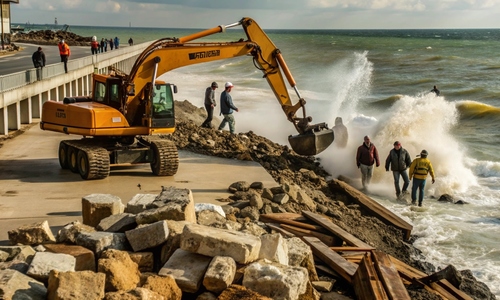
379	82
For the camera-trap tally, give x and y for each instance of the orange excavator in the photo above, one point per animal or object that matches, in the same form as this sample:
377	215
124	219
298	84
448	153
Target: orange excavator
121	119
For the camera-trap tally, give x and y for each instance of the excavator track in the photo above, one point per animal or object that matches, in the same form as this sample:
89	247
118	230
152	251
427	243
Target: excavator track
92	160
165	157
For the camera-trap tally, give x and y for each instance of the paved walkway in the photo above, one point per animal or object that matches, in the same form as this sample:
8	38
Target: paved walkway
34	188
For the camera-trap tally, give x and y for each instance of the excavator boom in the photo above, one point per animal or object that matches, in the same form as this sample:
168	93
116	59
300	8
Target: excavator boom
167	54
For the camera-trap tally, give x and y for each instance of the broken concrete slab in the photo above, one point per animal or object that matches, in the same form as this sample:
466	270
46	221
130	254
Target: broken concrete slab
83	285
148	236
96	207
44	262
187	268
32	234
16	285
220	274
243	248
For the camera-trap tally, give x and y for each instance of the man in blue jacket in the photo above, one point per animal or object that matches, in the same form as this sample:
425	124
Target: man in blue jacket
227	107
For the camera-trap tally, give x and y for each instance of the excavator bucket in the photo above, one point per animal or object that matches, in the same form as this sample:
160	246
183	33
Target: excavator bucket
311	143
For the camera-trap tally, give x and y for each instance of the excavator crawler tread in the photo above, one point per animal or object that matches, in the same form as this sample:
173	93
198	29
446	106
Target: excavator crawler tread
97	157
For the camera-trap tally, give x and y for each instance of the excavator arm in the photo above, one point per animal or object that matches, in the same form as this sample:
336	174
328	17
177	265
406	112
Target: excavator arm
170	53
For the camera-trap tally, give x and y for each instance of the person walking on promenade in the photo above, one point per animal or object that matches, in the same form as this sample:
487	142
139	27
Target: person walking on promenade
210	104
419	169
64	52
366	157
130	42
399	160
38	59
227	107
117	42
94	45
111	43
435	90
103	45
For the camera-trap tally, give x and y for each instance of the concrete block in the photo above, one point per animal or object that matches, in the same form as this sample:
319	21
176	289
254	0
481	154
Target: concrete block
220	274
121	272
117	223
44	262
84	285
276	280
85	258
209	241
33	234
187	268
16	285
171	204
140	203
144	260
148	236
96	207
274	248
100	241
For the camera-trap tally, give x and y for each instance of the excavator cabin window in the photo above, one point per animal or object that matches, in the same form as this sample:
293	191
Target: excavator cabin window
163	106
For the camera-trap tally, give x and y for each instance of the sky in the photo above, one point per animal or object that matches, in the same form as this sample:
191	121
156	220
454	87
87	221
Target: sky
270	14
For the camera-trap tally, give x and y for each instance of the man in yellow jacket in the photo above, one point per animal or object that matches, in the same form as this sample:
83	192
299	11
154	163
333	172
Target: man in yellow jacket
419	169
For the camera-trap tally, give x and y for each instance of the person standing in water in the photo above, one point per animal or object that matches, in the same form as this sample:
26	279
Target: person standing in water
435	90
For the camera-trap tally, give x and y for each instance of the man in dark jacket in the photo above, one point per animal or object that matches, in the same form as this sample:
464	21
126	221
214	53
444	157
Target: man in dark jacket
399	160
38	59
210	104
366	157
227	107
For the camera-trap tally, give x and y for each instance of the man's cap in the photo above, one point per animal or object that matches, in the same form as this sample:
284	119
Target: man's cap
62	40
214	84
39	48
397	143
228	84
366	137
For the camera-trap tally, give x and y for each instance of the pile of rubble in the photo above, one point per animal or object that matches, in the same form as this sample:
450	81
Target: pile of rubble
162	247
166	247
50	37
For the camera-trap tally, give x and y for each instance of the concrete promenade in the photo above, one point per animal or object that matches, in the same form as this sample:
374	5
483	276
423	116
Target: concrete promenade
34	188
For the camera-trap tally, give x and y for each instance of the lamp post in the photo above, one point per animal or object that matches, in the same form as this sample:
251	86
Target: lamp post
1	17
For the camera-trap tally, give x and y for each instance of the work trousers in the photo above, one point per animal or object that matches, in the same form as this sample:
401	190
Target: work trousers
366	174
210	114
229	118
420	185
406	183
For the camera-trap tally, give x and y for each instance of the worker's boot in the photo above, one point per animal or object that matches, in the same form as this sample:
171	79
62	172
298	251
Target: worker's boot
413	202
419	203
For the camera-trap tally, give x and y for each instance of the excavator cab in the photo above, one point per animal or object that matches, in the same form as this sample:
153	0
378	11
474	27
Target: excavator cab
162	106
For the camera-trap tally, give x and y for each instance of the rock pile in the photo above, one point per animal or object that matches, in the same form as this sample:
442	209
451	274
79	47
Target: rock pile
50	37
161	247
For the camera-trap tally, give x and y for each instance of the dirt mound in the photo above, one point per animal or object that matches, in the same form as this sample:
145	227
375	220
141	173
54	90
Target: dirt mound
50	37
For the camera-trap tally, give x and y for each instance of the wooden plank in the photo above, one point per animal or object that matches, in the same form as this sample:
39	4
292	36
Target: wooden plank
277	228
443	287
339	264
366	282
374	207
341	233
273	218
289	216
355	249
389	276
327	239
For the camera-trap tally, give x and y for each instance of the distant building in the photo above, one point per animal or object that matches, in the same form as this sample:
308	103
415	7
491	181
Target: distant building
6	20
